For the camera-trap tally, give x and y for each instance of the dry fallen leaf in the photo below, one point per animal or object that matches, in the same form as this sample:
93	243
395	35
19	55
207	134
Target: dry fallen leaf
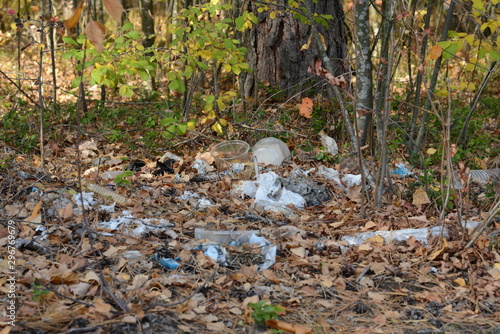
438	252
114	8
35	216
420	197
435	52
297	329
95	33
269	274
306	107
75	17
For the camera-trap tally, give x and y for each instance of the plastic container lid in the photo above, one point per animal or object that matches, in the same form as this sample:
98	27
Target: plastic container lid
271	151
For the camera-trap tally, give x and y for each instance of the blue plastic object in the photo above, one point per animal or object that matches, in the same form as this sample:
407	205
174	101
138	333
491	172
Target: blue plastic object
167	262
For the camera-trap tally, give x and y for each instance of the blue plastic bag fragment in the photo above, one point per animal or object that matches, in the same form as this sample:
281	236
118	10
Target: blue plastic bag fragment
402	170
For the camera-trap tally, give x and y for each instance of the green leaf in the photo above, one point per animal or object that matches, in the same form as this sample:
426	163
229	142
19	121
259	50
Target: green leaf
210	99
172	129
70	54
167	135
81	39
171	76
167	121
174	85
240	21
236	69
76	82
69	40
495	55
133	34
182	128
126	91
127	26
144	75
449	49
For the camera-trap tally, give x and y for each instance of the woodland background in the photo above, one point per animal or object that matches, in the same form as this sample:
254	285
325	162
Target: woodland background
413	82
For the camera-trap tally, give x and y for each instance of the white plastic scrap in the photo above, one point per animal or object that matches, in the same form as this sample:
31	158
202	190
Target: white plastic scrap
217	252
202	202
331	174
270	193
248	188
330	144
420	234
214	251
170	155
200	166
141	225
268	250
108	208
88	200
351	180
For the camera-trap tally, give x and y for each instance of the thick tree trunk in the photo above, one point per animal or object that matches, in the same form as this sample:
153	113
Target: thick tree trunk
274	46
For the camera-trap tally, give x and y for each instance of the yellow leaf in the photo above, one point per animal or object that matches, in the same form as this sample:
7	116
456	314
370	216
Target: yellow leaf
217	128
306	107
376	240
191	125
431	150
322	38
73	20
460	282
272	15
306	46
470	39
435	52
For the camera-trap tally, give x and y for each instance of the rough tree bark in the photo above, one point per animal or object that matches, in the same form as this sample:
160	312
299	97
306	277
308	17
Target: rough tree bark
148	28
274	45
364	82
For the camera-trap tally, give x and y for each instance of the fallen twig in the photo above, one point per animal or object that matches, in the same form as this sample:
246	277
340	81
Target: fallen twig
484	224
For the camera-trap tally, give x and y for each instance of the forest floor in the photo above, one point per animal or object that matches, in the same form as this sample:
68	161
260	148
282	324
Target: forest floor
104	269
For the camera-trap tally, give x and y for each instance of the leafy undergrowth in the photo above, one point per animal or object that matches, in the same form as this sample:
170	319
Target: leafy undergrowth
75	275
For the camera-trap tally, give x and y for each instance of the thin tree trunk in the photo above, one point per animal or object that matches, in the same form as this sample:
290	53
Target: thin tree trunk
148	28
430	92
462	138
383	69
385	78
40	88
354	147
81	87
420	76
364	82
53	60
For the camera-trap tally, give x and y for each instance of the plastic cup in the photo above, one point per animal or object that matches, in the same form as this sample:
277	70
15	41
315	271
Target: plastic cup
231	155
